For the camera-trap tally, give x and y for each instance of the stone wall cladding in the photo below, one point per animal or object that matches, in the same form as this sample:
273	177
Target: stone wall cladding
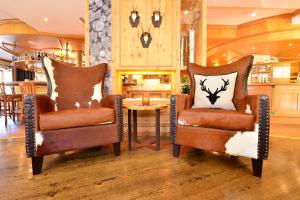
100	36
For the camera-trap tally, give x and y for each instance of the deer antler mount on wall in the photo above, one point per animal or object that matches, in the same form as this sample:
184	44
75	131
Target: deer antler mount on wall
156	19
134	18
146	39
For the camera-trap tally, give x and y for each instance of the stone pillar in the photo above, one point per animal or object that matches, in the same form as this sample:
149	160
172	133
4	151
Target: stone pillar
100	41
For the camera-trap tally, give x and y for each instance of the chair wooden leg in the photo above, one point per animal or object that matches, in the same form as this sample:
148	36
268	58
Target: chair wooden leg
22	109
257	165
117	148
9	108
5	113
176	150
13	110
37	164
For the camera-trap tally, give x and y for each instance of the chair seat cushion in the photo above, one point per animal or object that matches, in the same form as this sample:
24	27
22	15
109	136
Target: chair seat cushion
76	118
217	118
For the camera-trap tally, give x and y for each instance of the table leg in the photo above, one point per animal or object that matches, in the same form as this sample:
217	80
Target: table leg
129	129
157	112
135	125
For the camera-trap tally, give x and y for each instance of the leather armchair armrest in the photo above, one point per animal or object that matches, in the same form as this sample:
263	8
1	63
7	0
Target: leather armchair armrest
259	105
115	102
34	105
110	101
178	103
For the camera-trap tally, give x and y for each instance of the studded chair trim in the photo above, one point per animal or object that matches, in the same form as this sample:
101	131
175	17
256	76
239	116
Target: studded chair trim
119	117
29	118
264	127
173	119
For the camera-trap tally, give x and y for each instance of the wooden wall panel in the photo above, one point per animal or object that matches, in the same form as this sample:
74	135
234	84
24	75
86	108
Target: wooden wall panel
163	50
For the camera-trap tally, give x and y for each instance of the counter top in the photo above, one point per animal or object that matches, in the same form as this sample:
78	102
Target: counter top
15	83
271	84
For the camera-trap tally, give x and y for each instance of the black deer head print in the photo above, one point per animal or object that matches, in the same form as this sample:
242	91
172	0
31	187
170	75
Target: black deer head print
213	97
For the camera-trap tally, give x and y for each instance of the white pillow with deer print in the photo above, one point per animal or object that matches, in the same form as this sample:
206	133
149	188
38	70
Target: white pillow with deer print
215	91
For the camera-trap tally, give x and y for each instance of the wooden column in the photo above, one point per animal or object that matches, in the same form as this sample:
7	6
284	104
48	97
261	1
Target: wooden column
86	33
163	53
78	58
201	34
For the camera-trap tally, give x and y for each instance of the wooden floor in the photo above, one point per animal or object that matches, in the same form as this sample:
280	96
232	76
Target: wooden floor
13	129
146	174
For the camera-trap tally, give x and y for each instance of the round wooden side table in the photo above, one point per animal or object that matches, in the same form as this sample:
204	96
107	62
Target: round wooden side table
133	107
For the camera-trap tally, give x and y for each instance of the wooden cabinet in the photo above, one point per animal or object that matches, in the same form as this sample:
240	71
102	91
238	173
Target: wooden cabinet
164	49
284	98
262	90
287	100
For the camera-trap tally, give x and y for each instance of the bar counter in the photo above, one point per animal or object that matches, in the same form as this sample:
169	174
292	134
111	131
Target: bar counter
16	83
284	97
40	87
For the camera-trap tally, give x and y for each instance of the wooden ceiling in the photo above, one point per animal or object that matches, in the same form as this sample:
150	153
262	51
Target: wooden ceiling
20	37
274	36
63	15
234	33
21	43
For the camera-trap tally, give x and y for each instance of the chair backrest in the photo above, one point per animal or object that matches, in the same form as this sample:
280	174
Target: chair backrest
2	89
27	87
242	67
71	87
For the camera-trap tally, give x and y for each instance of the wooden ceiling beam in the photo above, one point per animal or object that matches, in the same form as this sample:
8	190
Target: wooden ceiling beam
271	29
15	26
256	39
221	32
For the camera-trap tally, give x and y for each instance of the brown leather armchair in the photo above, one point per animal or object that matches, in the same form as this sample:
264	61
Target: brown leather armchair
244	132
50	131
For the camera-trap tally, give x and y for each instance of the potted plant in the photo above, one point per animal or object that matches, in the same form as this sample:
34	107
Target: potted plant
185	89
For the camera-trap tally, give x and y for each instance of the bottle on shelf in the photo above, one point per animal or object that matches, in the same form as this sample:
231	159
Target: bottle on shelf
39	56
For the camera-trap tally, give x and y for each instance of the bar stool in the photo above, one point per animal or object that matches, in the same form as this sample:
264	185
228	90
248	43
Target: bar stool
8	104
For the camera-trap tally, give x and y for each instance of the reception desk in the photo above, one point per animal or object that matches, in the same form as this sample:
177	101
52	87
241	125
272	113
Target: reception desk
284	97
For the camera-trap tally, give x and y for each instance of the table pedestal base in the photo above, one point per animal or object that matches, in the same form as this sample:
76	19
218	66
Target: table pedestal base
138	144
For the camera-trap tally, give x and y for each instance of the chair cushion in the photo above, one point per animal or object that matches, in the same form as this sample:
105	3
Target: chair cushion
217	118
74	87
76	118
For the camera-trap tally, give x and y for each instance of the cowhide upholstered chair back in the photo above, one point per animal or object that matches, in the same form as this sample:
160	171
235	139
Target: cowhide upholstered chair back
74	87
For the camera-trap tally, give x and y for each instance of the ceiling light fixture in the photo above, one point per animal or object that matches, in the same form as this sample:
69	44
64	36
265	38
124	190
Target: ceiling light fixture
253	14
290	44
224	55
45	19
253	48
186	12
